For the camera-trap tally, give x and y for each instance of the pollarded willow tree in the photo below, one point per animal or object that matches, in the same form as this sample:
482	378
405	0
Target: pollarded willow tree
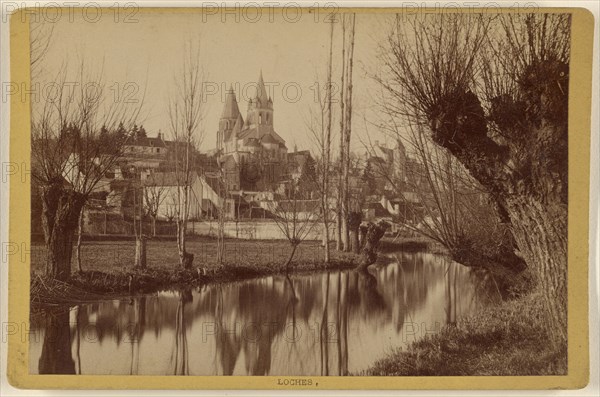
493	91
75	141
297	215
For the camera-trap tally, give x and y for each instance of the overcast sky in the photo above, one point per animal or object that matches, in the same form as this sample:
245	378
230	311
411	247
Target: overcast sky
149	51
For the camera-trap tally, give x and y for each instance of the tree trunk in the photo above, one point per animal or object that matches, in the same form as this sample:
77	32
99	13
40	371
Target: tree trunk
153	225
347	136
531	192
289	261
354	221
140	252
185	258
362	235
327	150
326	241
338	228
369	252
355	241
60	216
221	238
540	230
341	215
79	235
345	230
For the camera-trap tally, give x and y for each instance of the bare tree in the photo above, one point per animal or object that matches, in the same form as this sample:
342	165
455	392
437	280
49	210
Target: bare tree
155	194
70	155
493	91
326	151
348	28
186	112
40	34
296	217
440	199
319	124
340	215
347	135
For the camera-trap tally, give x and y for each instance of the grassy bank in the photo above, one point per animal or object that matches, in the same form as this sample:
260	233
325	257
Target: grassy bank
410	244
509	339
108	267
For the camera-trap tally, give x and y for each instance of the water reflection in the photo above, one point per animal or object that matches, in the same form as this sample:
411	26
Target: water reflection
56	350
331	323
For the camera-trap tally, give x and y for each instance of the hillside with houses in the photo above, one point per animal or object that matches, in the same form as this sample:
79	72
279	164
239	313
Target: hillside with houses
248	175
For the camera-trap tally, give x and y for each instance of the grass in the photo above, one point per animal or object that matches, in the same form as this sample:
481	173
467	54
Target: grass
108	266
509	339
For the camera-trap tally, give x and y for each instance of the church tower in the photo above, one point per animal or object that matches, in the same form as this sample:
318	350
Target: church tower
230	117
260	108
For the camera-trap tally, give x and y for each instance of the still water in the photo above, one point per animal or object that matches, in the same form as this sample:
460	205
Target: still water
330	323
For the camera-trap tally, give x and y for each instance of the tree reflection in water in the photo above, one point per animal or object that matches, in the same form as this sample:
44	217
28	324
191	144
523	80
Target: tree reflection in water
331	323
56	355
180	354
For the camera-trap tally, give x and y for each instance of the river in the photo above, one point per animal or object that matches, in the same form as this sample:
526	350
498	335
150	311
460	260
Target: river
330	323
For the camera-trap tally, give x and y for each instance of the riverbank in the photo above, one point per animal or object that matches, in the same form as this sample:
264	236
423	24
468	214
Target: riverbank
504	340
108	271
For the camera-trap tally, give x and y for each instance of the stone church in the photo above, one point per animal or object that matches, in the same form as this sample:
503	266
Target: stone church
253	155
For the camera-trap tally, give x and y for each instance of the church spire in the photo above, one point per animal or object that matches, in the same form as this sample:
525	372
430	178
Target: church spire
261	91
230	109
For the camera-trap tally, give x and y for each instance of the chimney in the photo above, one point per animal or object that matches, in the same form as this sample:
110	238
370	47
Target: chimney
159	136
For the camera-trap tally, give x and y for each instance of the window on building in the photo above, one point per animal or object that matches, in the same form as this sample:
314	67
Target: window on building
260	118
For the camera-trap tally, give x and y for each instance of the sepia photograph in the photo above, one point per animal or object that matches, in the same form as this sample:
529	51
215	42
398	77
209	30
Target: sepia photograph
299	193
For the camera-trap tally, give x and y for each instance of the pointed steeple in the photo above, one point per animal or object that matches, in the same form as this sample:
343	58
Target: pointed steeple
230	109
261	90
